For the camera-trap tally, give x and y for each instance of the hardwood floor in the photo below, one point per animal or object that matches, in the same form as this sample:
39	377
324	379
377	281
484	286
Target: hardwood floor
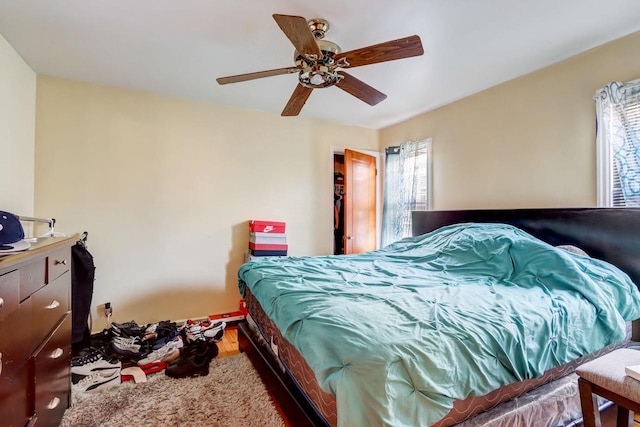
229	344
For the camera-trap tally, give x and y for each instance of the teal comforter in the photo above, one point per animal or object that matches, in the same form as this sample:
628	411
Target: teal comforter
398	334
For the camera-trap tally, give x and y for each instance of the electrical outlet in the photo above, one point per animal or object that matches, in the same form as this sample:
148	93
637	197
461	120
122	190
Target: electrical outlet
104	310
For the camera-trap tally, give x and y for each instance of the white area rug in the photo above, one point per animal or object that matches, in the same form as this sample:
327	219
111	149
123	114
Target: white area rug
231	395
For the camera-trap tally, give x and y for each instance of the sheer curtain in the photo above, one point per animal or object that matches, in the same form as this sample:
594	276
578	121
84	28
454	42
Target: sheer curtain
406	187
618	122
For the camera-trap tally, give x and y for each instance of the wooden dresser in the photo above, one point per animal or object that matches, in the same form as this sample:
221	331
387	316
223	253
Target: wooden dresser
35	333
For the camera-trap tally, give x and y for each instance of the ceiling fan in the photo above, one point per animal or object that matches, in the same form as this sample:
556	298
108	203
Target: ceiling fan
317	62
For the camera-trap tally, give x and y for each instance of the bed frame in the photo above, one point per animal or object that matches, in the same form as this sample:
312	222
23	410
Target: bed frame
610	234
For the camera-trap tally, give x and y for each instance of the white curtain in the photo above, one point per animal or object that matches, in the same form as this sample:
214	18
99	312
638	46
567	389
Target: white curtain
618	121
407	176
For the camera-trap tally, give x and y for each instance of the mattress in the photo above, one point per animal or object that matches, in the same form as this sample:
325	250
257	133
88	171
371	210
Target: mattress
400	334
554	395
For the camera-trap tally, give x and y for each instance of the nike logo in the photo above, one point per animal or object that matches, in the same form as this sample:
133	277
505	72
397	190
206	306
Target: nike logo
268	228
96	385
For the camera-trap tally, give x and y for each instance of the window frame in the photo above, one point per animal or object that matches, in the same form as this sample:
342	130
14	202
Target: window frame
388	236
605	169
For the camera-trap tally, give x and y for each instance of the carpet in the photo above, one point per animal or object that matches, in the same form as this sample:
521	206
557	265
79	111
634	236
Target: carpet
231	395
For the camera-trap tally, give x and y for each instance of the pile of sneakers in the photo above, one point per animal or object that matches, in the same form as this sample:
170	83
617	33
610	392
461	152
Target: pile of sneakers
132	341
194	358
92	370
182	351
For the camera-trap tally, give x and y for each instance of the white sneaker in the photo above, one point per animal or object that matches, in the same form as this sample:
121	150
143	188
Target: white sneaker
97	380
91	362
203	330
160	354
126	346
192	331
213	331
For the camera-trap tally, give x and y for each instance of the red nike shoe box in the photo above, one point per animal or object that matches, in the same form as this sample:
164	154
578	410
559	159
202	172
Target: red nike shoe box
266	226
267	247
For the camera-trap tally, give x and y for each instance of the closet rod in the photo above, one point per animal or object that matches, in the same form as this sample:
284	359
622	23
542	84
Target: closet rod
50	221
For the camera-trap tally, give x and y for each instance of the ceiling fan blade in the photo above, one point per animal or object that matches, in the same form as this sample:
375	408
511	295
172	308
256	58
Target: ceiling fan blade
382	52
257	75
297	30
360	89
297	100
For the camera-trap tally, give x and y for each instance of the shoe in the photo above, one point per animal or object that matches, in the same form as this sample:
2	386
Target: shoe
91	362
192	366
203	331
192	331
101	339
127	347
97	380
164	333
115	325
213	331
127	329
205	349
160	354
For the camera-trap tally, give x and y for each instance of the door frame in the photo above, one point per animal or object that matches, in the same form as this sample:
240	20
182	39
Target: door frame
380	173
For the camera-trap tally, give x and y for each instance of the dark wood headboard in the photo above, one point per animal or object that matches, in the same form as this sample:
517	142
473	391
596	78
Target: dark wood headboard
610	234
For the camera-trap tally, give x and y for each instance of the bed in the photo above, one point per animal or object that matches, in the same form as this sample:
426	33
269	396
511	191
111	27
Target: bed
451	366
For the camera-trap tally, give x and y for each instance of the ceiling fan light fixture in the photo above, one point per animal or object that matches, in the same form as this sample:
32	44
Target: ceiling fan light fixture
318	77
318	73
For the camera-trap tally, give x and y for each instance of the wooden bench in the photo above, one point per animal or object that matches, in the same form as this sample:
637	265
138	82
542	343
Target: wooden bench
605	376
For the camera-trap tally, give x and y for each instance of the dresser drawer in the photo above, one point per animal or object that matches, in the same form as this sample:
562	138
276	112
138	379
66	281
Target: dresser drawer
32	277
58	263
52	368
15	339
15	409
49	305
9	293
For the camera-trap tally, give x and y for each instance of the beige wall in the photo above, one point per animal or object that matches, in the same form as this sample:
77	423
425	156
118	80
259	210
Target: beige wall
529	142
165	188
17	120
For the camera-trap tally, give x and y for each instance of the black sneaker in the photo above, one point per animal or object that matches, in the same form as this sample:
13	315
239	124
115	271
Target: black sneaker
193	366
128	329
199	348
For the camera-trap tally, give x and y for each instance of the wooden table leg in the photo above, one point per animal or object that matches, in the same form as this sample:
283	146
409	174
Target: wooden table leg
589	401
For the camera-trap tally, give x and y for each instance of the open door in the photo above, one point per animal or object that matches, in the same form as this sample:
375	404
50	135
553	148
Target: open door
360	202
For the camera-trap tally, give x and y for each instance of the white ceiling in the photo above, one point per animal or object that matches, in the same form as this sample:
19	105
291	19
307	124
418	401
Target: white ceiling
179	48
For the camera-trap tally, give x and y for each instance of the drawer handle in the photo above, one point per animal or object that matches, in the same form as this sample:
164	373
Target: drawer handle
54	403
57	353
1	302
54	304
63	262
1	363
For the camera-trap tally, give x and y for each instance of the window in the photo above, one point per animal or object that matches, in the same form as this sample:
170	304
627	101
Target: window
407	187
618	140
